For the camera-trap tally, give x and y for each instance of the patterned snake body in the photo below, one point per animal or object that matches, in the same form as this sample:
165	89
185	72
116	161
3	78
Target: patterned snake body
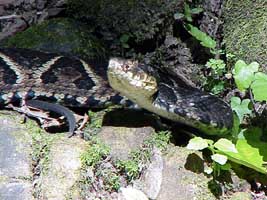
27	74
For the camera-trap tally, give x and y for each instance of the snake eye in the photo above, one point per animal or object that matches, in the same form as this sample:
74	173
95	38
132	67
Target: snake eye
126	67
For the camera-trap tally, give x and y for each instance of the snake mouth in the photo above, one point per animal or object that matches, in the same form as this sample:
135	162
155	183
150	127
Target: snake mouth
128	78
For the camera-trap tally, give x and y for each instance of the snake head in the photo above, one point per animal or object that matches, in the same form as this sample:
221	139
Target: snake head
130	80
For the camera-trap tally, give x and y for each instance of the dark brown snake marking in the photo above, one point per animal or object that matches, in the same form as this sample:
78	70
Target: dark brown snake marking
27	74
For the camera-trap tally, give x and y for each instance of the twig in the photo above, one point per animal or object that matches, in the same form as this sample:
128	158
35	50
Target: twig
10	17
17	16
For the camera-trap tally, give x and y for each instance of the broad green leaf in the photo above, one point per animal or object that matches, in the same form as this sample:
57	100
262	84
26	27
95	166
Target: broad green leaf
225	145
244	74
252	151
259	88
204	39
221	159
241	108
197	143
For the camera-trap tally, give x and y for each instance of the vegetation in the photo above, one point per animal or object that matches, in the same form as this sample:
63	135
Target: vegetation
244	145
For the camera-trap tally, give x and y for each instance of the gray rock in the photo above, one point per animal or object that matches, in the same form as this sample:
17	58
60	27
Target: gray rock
152	178
130	193
122	140
63	170
15	159
16	190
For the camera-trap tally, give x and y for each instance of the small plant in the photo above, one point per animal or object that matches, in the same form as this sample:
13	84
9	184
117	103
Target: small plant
138	158
204	39
245	145
130	167
188	12
219	160
111	179
160	140
95	153
215	75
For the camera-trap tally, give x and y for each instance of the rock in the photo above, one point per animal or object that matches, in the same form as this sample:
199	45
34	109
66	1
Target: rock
16	190
15	159
28	11
175	181
122	140
60	36
241	196
130	193
63	170
151	180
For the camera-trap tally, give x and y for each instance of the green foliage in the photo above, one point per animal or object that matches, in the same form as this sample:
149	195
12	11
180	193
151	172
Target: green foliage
130	167
187	13
251	150
217	66
244	74
204	39
216	69
219	159
133	166
241	108
245	146
95	153
111	180
160	140
258	87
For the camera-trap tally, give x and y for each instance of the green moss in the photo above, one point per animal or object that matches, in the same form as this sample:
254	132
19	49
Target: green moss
245	30
95	153
41	144
60	35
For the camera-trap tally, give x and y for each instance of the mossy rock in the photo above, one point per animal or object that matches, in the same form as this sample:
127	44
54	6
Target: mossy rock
245	30
126	24
60	35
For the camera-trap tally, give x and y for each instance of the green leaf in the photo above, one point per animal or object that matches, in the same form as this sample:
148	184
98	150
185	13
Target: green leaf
197	143
196	10
259	88
241	108
187	12
226	166
244	74
221	159
204	39
218	88
225	145
252	151
124	38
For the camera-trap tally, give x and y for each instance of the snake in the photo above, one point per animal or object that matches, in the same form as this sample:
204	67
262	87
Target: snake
169	98
57	83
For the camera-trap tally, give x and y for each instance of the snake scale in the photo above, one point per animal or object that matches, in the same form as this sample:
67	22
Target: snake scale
42	79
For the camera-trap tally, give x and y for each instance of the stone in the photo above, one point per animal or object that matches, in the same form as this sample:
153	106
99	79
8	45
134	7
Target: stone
123	140
130	193
152	177
64	167
15	159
